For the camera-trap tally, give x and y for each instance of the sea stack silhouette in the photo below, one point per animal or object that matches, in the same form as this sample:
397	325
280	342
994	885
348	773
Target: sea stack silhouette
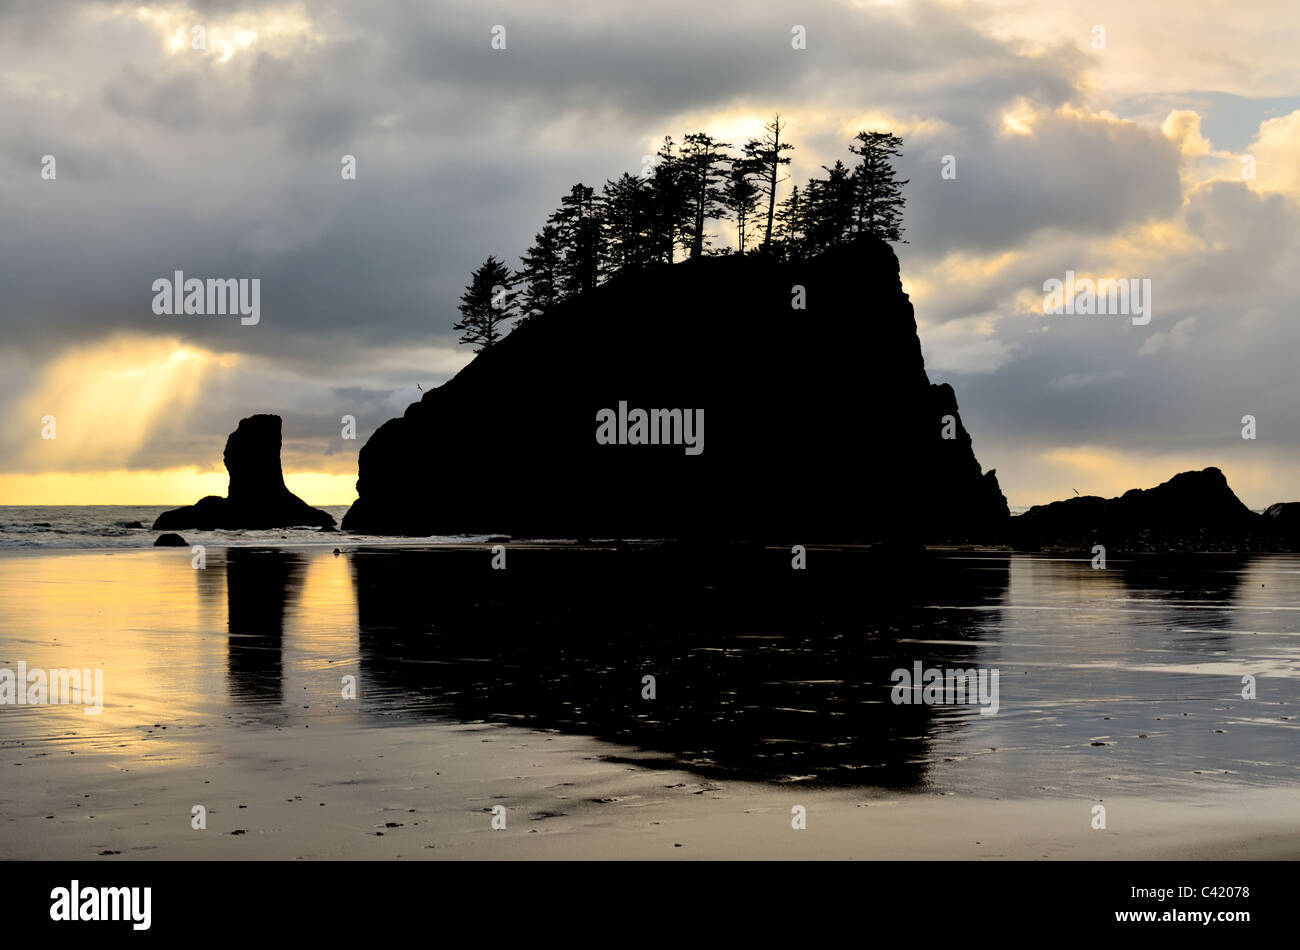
1193	511
257	496
818	422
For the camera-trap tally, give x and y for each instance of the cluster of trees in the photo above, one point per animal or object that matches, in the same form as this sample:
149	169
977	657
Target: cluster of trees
636	222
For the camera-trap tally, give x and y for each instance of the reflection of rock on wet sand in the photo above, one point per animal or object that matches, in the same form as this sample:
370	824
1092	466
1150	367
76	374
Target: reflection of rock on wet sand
1178	590
259	585
760	670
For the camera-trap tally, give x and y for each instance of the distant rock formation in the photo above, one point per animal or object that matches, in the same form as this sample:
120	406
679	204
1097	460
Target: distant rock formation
819	423
170	541
1283	520
257	496
1193	511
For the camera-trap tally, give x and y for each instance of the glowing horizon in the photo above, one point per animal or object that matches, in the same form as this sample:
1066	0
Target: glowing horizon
168	487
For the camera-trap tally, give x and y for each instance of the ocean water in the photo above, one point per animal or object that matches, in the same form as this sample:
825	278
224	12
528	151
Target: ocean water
86	527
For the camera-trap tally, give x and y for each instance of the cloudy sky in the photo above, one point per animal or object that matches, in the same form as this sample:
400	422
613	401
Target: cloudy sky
1114	138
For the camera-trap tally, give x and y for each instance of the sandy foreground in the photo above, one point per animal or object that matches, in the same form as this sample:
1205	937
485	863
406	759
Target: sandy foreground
426	791
198	713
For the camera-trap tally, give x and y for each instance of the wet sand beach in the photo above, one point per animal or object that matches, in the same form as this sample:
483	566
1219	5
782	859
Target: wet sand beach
224	688
426	793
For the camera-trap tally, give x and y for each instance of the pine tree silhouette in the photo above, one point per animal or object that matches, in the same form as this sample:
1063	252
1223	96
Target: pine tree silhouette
487	304
879	194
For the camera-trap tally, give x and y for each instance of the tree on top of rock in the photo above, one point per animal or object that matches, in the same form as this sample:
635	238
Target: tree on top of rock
578	223
765	158
865	199
829	209
791	222
670	212
541	273
487	304
639	221
879	210
626	227
704	167
741	198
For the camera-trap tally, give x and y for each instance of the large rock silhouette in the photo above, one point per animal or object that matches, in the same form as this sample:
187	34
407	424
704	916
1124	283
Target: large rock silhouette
257	496
820	423
1193	511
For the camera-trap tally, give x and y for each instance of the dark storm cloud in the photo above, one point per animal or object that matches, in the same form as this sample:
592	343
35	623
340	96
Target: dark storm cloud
1087	175
175	162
